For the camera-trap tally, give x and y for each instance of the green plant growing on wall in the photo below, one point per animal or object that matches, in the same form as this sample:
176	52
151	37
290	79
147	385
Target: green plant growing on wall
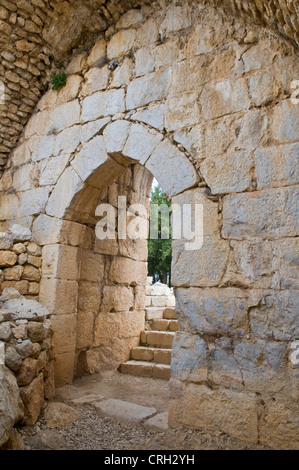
58	81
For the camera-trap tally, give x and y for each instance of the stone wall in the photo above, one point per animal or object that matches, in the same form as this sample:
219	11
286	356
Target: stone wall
202	101
34	42
26	351
20	261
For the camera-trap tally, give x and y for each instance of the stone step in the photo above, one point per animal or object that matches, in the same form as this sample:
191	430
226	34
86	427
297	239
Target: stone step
169	313
157	339
164	325
145	369
154	313
156	355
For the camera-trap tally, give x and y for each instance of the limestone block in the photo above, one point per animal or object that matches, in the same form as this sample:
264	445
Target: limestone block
230	172
177	18
92	128
258	56
277	166
163	164
96	79
276	317
182	111
92	156
191	139
92	266
13	274
27	372
131	324
7	259
224	369
11	410
36	331
141	143
103	103
233	412
251	264
21	286
152	115
64	369
121	43
226	97
190	358
106	328
24	177
63	116
60	415
12	359
21	154
167	53
115	136
33	201
284	122
263	87
18	248
97	54
148	33
84	329
77	63
130	19
20	233
6	241
144	61
59	296
267	213
50	170
123	74
68	185
67	141
70	91
64	333
215	310
9	206
33	399
127	271
263	364
117	299
191	68
5	331
286	262
279	427
48	100
144	90
60	261
31	273
90	295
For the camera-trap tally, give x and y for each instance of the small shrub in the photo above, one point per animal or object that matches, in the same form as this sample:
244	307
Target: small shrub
58	81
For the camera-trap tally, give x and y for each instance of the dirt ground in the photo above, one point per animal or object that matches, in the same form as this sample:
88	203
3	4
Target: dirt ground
97	430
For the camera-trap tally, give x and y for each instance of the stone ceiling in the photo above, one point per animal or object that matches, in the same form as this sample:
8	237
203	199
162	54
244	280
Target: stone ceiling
37	35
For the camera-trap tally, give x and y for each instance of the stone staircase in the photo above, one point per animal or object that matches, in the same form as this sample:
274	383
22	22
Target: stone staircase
152	357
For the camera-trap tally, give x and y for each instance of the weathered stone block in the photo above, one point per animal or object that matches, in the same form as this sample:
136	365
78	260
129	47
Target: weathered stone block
103	104
277	166
121	43
97	54
267	213
61	261
59	296
33	399
144	90
215	311
284	122
64	333
127	271
96	79
190	358
141	143
7	259
165	169
230	172
117	299
229	411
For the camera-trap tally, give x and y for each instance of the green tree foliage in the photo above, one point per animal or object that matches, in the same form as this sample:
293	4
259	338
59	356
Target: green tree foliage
160	250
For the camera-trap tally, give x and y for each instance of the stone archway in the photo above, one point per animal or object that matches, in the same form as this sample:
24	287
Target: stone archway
72	204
